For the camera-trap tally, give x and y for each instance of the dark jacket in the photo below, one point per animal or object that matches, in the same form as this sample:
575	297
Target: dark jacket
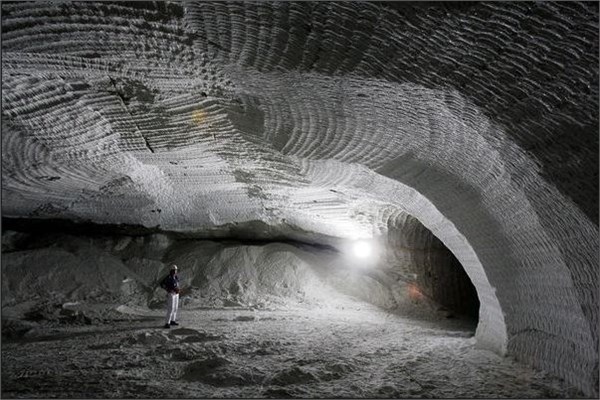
170	283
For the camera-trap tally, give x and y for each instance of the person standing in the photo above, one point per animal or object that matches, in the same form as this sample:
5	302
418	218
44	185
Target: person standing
171	284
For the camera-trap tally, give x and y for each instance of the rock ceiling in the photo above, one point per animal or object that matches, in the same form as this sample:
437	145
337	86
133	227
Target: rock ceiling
330	119
199	115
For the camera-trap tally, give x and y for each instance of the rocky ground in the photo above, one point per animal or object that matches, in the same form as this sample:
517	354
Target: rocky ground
346	350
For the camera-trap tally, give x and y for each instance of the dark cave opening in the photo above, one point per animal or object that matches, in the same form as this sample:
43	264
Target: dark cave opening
450	286
430	270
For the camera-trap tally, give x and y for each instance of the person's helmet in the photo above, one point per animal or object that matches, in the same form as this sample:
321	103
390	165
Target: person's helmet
173	267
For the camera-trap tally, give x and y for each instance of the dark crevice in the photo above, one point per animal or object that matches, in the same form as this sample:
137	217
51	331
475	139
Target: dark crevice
88	228
147	143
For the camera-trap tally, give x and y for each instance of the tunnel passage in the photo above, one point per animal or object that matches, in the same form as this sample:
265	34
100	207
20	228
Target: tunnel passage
233	339
63	261
430	269
415	265
480	121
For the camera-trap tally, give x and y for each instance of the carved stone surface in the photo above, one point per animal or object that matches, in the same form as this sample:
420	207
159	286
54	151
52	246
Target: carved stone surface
329	121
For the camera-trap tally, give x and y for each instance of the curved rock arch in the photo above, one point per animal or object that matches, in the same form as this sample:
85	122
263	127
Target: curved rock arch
408	91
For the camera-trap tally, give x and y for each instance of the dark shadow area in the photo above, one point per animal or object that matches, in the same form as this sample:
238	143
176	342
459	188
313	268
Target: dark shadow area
251	232
427	271
450	286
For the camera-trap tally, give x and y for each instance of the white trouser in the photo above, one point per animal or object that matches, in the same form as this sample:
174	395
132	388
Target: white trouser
172	305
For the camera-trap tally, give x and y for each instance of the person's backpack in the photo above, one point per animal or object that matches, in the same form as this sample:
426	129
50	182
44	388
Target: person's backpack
163	283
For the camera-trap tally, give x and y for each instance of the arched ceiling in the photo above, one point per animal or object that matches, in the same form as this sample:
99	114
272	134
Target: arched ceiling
112	112
328	120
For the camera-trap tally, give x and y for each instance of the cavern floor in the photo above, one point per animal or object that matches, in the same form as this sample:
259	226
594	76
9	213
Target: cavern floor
357	351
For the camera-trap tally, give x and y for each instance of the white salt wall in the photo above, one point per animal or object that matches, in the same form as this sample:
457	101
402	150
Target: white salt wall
121	269
326	120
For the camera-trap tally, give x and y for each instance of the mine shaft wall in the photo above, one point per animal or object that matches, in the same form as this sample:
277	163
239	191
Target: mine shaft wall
488	110
545	280
125	269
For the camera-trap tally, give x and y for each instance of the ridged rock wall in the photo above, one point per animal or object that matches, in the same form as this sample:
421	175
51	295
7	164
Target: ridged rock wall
478	119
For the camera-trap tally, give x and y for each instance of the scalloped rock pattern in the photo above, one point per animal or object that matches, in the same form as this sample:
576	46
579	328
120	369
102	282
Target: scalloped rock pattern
338	120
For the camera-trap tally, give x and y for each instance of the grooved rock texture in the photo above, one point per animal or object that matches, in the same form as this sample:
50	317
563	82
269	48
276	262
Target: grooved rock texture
329	121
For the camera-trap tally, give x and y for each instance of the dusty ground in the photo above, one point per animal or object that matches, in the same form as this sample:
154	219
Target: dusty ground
348	351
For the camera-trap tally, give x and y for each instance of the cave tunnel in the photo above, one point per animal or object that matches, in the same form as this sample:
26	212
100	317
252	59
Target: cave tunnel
363	199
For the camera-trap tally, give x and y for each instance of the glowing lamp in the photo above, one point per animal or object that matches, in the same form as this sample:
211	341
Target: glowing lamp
362	249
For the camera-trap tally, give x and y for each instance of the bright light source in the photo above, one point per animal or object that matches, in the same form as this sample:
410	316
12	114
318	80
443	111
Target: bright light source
362	249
